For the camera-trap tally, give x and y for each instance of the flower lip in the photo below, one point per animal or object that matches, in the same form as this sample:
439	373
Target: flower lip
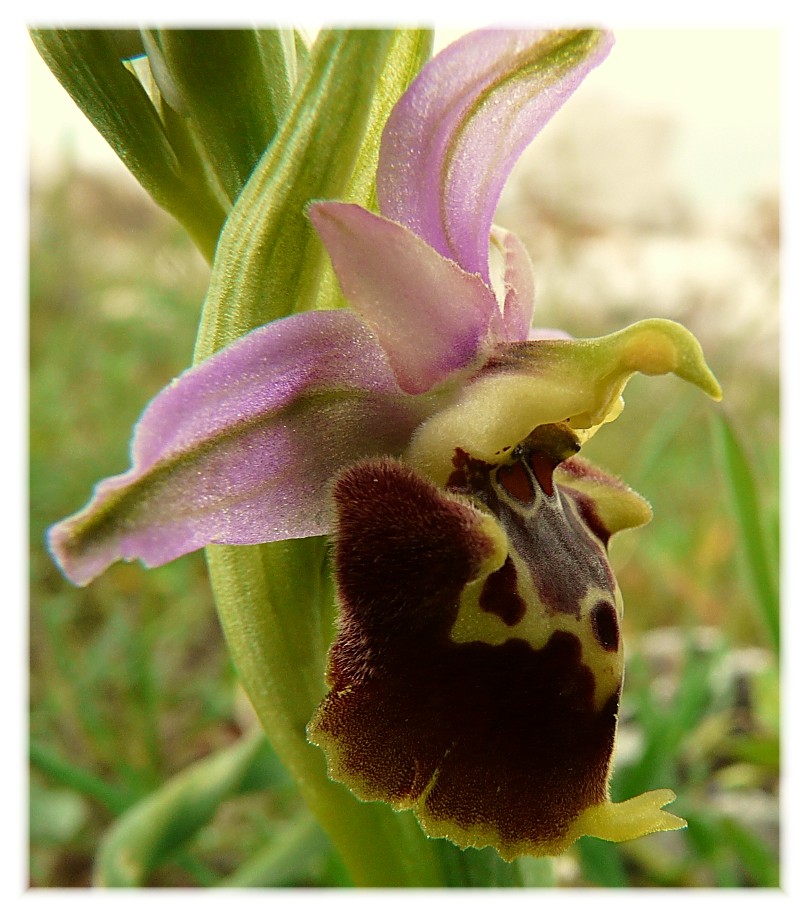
477	668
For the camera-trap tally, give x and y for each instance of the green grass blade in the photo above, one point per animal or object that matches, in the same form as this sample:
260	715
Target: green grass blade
758	860
601	863
665	726
161	824
745	504
78	779
287	859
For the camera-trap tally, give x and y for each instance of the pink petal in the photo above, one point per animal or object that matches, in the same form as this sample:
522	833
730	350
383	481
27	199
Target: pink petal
517	310
430	316
456	133
242	449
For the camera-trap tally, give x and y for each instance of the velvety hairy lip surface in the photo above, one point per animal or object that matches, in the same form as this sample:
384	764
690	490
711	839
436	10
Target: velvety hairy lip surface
486	742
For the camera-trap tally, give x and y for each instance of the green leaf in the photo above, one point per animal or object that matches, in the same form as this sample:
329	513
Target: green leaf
232	85
159	826
756	549
731	850
89	63
302	49
284	56
477	867
78	779
665	727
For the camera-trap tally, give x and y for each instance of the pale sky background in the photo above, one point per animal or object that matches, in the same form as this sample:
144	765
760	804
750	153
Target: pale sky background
720	87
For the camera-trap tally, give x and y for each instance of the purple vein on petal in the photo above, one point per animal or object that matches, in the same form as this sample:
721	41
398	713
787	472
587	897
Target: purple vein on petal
242	448
453	138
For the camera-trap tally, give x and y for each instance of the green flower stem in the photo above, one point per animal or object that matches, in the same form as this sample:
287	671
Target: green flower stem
275	601
269	603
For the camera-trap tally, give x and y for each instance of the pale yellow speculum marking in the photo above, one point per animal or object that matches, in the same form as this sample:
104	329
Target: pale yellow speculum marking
538	624
473	624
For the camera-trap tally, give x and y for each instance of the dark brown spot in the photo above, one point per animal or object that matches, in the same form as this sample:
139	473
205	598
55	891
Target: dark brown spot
413	542
589	513
470	475
512	732
500	596
604	623
515	480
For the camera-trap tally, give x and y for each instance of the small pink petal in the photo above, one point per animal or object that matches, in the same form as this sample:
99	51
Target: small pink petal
517	310
430	316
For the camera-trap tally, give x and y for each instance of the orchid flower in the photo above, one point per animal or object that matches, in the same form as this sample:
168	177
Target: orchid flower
477	669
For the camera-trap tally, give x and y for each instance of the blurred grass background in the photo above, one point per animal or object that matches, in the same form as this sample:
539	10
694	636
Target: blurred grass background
130	681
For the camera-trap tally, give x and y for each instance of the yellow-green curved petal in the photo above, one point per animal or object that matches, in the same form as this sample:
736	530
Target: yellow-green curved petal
533	383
